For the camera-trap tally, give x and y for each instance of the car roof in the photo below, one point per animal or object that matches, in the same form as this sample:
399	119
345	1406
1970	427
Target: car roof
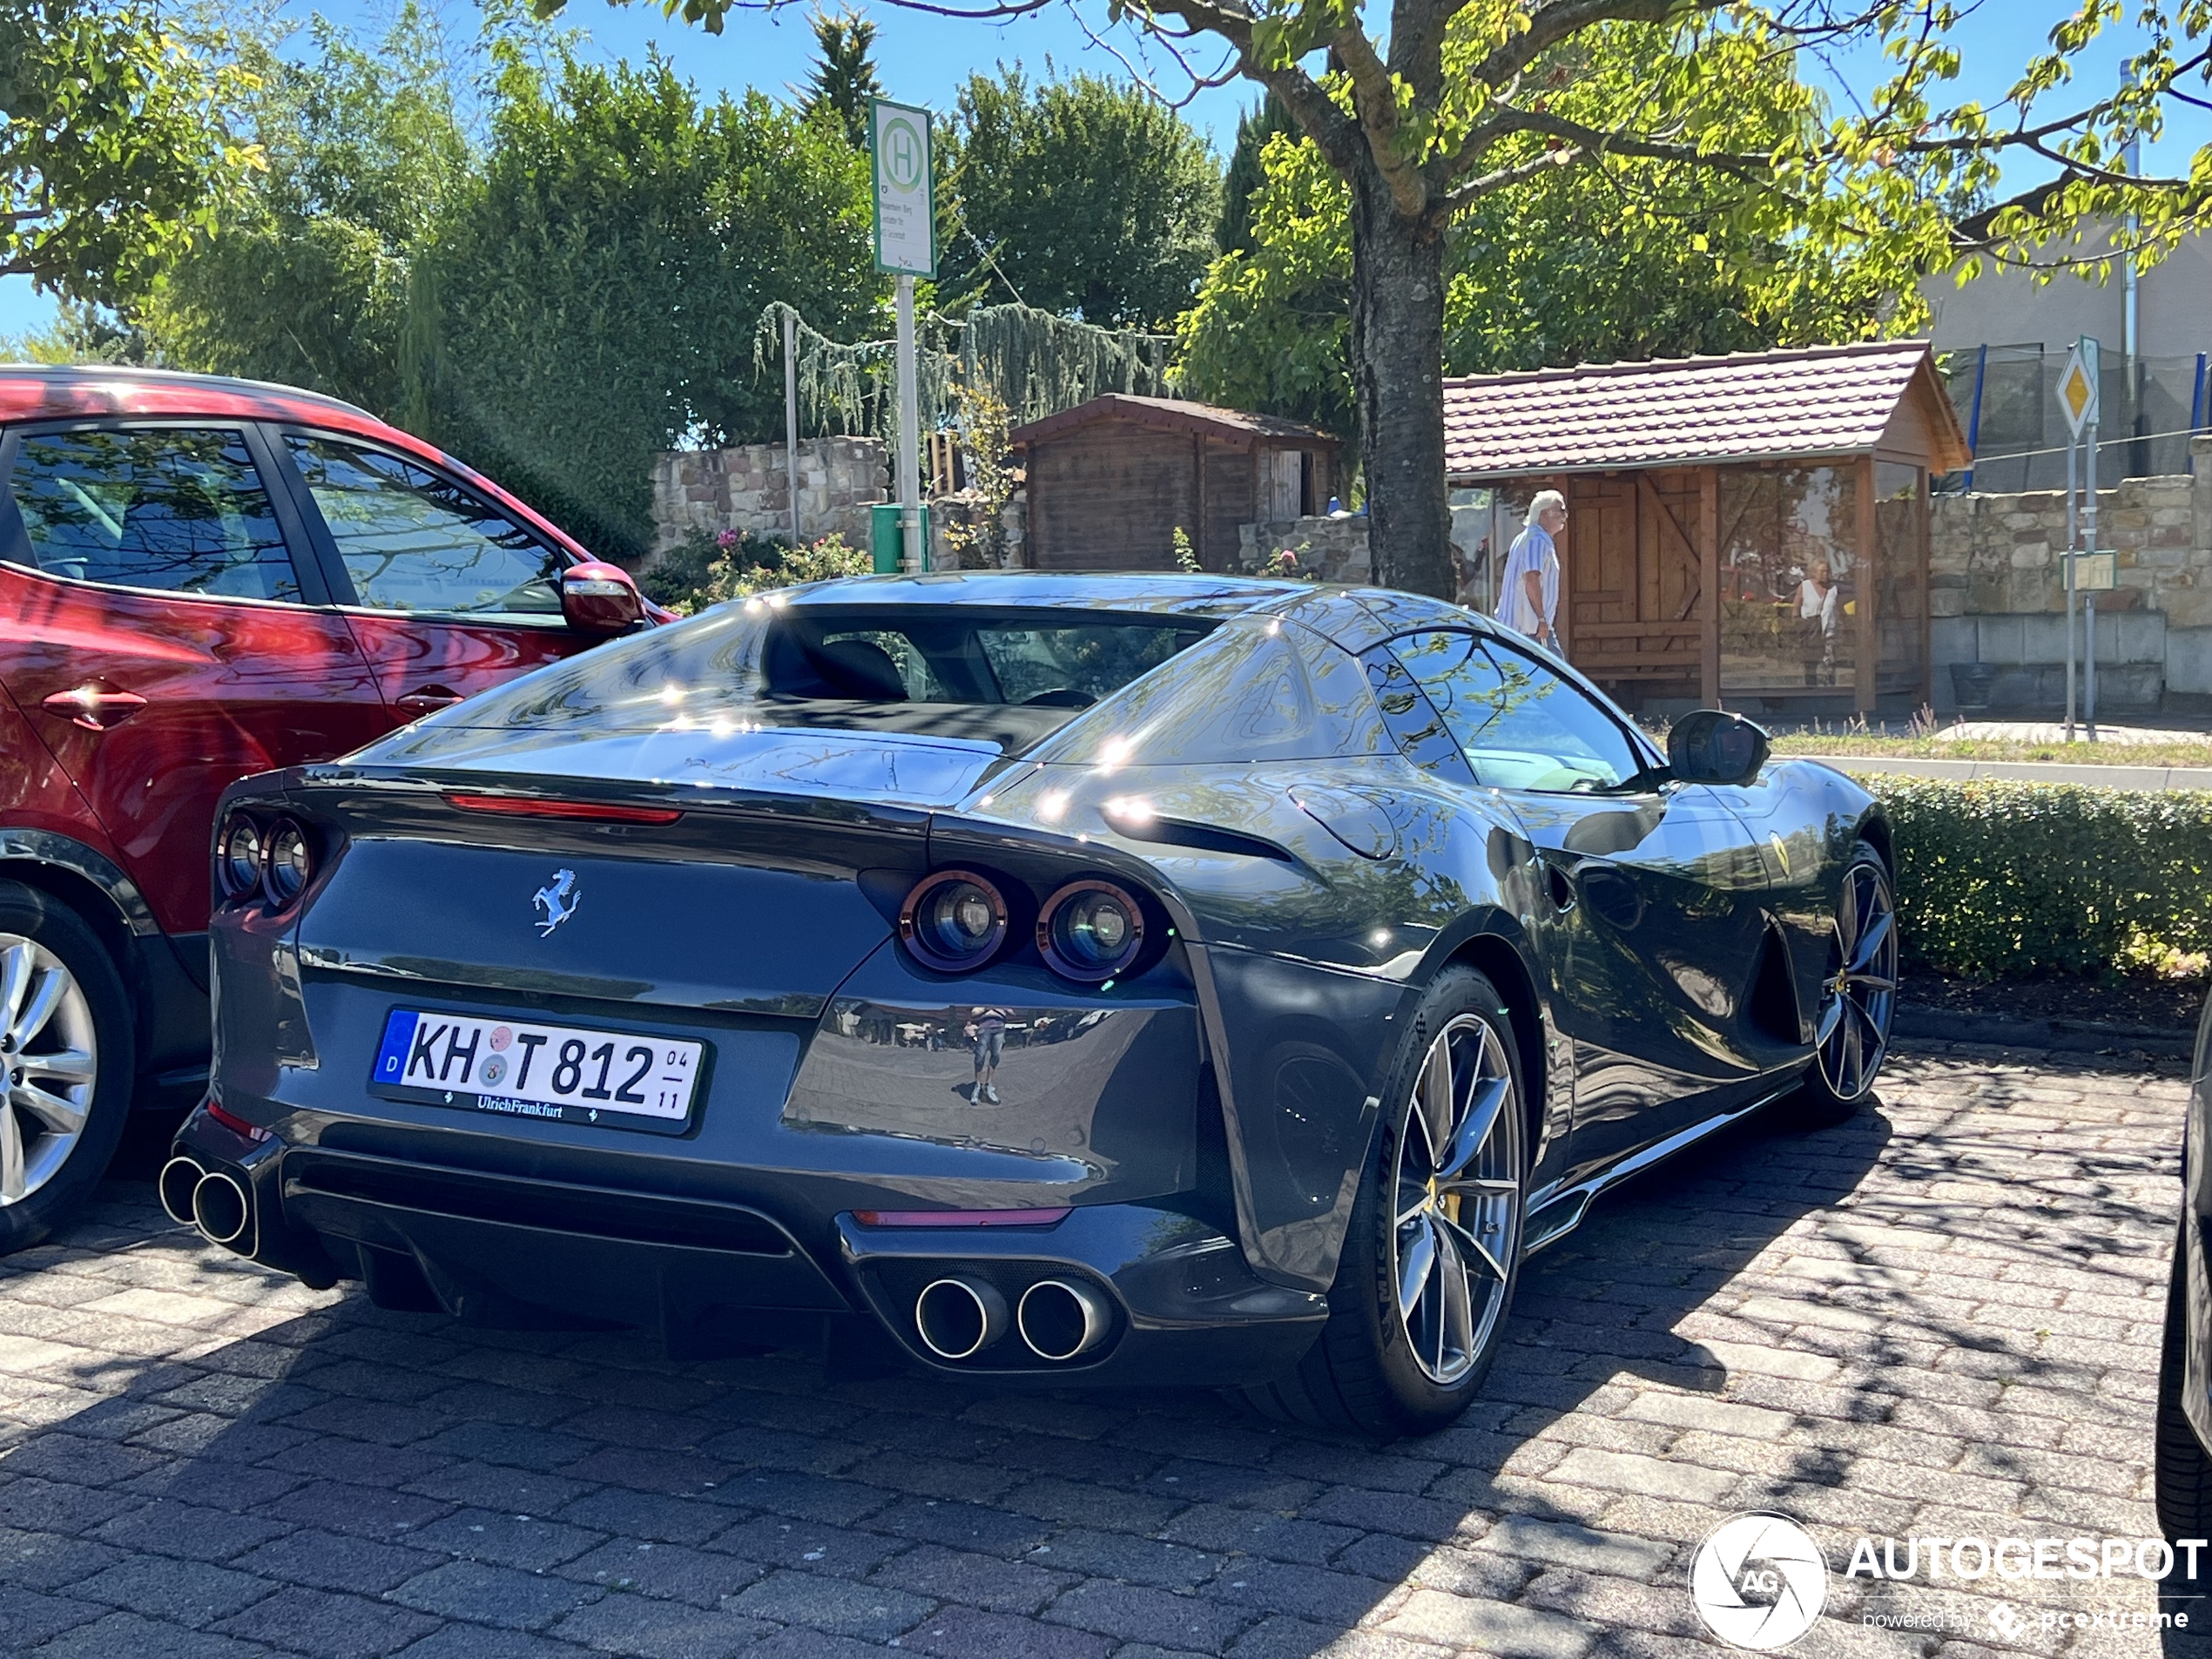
95	391
37	392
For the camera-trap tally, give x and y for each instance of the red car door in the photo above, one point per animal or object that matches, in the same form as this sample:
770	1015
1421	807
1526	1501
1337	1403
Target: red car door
448	595
162	639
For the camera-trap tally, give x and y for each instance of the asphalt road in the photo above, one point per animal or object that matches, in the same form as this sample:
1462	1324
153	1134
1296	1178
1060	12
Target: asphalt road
1942	1319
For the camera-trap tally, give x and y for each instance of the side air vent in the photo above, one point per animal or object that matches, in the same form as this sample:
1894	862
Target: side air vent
1773	1007
1175	832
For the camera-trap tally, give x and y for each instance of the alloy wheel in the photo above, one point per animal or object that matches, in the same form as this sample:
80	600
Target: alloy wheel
1860	993
51	1059
1457	1203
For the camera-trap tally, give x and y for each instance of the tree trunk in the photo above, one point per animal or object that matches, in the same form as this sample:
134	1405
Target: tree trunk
1398	388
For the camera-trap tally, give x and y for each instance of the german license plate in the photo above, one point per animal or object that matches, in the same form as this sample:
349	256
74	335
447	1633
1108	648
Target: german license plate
525	1070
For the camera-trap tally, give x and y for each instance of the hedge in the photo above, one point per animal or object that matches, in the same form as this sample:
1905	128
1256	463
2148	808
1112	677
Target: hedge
2011	880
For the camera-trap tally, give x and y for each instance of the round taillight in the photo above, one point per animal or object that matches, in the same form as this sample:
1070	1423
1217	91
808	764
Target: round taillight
238	857
1090	930
288	864
953	920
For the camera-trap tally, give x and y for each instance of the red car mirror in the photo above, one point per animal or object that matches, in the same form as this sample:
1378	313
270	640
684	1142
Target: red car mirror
600	598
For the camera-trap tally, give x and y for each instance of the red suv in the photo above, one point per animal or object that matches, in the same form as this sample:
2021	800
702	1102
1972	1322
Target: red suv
201	578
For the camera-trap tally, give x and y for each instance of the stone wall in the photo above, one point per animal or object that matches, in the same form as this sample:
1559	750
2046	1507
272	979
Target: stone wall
1335	550
1997	595
745	489
961	511
1327	548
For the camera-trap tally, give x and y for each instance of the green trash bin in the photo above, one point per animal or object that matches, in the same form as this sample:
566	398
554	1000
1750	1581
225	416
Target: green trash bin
886	543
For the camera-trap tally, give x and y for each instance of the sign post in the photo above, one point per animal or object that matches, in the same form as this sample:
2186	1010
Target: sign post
791	417
906	245
2078	398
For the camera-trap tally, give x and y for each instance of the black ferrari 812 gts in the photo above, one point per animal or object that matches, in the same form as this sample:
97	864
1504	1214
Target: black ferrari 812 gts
1063	979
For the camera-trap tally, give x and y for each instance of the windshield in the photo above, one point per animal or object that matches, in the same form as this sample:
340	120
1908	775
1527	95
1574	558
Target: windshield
1005	675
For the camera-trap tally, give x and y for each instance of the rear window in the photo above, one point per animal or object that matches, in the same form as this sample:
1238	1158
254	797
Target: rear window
1006	676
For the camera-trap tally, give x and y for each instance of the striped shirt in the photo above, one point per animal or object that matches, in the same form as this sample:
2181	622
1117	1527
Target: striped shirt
1532	550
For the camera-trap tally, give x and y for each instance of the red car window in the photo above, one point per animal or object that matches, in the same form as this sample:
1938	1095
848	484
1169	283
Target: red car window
171	509
413	541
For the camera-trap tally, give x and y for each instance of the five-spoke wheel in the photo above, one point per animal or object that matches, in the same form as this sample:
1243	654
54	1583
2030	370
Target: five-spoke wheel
50	1053
66	1061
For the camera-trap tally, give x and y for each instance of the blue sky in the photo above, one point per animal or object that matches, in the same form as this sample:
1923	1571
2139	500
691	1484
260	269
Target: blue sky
923	59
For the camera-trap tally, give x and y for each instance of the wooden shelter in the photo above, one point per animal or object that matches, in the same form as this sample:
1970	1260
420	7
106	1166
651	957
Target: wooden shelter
1707	498
1112	480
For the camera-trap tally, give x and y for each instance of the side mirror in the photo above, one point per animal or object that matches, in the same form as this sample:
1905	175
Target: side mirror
600	598
1713	747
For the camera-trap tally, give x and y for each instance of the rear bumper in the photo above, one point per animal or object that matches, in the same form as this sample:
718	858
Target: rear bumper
709	1275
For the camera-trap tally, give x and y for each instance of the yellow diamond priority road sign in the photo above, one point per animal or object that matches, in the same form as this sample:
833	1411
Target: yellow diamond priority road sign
2078	385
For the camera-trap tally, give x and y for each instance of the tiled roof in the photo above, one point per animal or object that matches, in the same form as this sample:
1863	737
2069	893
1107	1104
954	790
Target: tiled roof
1173	413
1751	406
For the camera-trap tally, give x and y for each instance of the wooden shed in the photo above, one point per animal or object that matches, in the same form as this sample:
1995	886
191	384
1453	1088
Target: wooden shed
1749	531
1112	480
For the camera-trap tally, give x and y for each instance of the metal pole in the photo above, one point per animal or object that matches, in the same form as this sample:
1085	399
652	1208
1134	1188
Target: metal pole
1973	421
2131	323
2073	540
915	558
2197	411
791	418
2089	536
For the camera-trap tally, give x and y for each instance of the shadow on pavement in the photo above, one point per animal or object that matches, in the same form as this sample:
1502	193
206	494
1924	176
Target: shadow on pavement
198	1447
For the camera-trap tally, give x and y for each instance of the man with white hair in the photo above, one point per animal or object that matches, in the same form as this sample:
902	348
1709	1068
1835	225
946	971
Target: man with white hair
1529	590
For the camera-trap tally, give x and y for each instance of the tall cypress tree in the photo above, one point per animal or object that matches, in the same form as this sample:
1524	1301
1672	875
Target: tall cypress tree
843	80
1254	128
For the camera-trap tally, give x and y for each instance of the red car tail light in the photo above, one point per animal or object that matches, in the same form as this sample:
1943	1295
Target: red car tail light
590	810
1042	1217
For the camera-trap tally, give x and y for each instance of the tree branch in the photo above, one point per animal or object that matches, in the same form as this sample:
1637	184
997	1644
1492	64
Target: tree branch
1599	142
1498	178
1374	95
1558	19
1336	133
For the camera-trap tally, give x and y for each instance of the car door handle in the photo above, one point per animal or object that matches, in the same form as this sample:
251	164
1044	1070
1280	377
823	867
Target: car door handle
426	699
94	706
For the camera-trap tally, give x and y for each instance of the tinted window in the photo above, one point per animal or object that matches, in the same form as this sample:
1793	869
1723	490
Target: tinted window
1520	724
180	510
413	541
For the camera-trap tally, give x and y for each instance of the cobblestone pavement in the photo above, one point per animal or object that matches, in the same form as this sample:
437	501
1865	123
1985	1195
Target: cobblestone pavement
1941	1320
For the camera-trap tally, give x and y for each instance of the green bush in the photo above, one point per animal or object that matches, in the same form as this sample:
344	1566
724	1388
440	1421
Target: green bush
707	570
2014	879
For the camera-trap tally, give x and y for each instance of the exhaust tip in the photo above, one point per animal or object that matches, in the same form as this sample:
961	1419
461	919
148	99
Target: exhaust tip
958	1317
175	1184
220	1209
1060	1319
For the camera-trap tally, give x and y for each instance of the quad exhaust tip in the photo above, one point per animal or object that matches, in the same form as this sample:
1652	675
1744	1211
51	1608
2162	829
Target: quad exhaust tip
220	1209
957	1318
1060	1319
178	1179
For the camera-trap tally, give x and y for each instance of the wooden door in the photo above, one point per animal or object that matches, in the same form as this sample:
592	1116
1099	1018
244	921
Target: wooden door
1597	558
